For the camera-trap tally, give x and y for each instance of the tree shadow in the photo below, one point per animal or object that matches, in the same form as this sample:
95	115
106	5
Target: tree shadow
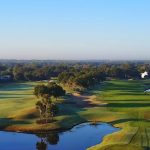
128	105
7	97
126	120
16	87
146	148
126	87
16	93
128	100
46	139
6	122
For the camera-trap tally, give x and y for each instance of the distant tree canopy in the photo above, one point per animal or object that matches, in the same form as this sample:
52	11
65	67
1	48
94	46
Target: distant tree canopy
82	79
73	71
36	72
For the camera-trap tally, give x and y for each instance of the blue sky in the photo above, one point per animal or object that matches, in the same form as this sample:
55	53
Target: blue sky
75	29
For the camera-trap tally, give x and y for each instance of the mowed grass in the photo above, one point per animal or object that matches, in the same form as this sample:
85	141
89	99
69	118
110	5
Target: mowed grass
17	105
125	106
15	97
18	112
126	100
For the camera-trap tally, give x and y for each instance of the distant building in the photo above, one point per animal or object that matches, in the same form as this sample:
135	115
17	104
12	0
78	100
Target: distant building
144	74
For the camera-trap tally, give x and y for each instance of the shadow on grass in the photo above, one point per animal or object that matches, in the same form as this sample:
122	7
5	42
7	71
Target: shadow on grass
127	100
126	105
72	116
10	97
16	87
16	94
126	120
131	93
130	87
146	148
5	122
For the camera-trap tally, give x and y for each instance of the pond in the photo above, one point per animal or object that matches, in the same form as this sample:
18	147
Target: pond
79	137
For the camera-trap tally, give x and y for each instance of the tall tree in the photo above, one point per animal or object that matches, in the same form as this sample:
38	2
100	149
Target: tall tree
46	107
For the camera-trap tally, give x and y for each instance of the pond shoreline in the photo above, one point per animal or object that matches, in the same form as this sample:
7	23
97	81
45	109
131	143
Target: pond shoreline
79	100
55	130
95	131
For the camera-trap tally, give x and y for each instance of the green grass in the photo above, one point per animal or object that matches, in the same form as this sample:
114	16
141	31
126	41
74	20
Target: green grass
15	97
127	101
127	107
18	112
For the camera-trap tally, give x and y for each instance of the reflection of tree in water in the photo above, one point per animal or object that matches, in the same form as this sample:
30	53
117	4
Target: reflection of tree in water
53	138
94	124
41	145
47	138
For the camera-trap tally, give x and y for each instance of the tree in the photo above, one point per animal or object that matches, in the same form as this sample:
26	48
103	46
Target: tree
56	90
18	72
41	108
40	90
46	107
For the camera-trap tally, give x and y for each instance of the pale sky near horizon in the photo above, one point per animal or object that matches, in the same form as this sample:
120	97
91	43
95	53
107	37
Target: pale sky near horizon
75	29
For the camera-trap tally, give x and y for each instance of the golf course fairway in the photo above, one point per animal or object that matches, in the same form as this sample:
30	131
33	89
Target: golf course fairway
121	103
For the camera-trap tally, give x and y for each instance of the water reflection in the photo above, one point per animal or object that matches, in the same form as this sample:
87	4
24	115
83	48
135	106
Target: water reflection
78	138
42	145
47	139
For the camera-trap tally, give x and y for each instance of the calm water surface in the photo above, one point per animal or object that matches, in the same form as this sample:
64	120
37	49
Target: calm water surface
78	138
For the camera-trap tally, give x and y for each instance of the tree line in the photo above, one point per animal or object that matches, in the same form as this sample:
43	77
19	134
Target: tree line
36	72
83	79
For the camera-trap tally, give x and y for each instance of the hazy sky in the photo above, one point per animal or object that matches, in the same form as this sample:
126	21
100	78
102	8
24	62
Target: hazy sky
75	29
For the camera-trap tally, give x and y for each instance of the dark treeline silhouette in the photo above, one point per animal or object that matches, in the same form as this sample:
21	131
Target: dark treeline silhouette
72	71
